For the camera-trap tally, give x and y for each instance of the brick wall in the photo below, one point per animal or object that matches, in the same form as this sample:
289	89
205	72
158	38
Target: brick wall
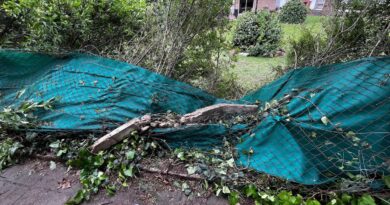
265	4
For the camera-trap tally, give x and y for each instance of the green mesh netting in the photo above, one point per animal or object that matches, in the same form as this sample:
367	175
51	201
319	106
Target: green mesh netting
298	144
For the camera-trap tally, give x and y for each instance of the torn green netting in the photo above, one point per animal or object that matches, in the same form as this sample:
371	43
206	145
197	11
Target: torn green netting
336	123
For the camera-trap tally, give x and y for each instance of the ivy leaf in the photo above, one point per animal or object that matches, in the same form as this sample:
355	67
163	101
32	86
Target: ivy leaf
191	170
55	145
250	191
351	134
230	162
180	155
325	120
225	190
61	152
130	155
128	172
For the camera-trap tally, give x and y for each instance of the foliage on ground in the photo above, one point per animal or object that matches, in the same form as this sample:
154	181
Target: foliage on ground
112	169
293	12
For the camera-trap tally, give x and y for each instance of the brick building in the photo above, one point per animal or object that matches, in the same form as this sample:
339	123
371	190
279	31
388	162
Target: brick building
240	6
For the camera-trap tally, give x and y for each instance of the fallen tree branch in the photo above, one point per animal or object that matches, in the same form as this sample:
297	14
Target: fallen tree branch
217	112
120	133
169	173
214	112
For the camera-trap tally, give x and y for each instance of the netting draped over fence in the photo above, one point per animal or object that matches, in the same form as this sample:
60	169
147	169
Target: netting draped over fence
336	121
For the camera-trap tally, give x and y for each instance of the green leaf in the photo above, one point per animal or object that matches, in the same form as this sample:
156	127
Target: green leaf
61	152
386	179
366	200
128	172
250	191
225	190
312	202
180	155
230	162
346	198
191	170
111	190
234	198
55	145
185	186
130	155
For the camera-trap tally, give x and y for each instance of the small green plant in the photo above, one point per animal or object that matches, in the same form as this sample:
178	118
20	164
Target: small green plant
293	12
22	116
288	198
258	34
119	162
8	149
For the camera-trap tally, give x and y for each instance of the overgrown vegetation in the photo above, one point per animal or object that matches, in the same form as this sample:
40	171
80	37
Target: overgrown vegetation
258	34
293	12
55	27
185	41
176	38
357	29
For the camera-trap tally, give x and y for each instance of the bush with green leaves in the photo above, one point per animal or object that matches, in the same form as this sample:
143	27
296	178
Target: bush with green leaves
258	34
293	12
178	39
53	26
358	29
8	148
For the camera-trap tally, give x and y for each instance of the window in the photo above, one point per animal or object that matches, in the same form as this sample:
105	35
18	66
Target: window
246	5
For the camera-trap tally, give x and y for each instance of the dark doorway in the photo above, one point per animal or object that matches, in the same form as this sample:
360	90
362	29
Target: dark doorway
246	5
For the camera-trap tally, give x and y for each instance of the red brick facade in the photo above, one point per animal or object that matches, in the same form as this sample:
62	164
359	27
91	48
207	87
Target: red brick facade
252	5
239	6
266	4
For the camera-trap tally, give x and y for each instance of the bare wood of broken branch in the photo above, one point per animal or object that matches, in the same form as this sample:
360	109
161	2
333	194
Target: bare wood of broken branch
120	133
218	111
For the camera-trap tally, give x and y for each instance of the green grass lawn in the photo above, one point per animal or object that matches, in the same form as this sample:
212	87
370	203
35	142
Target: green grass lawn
293	31
253	72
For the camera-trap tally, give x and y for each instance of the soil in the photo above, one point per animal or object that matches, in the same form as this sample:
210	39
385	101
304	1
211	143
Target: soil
33	182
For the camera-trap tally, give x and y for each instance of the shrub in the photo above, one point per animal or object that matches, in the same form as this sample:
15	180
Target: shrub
177	39
257	34
53	26
303	49
247	30
293	12
356	30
